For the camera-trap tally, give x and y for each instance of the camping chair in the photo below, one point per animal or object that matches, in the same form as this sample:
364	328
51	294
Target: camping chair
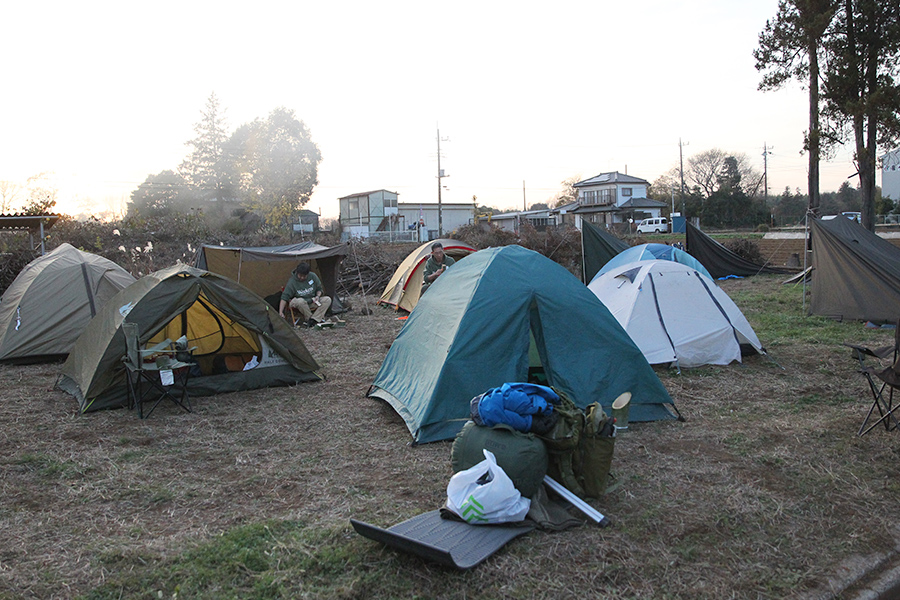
883	389
165	378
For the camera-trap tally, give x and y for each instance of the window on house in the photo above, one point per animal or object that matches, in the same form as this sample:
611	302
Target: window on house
607	196
626	192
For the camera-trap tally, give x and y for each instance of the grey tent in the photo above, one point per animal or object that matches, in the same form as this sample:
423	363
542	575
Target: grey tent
719	260
52	300
229	325
855	273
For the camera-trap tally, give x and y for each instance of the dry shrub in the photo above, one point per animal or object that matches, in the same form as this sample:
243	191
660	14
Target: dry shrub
746	249
484	235
562	244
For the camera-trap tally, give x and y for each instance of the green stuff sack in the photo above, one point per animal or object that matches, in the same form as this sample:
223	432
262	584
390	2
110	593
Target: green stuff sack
521	455
597	445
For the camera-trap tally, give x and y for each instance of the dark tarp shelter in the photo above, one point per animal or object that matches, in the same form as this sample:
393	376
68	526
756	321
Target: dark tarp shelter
719	260
265	270
855	273
52	300
473	329
226	323
597	248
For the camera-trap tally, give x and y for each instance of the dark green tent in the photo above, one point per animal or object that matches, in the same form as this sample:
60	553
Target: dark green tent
472	332
227	324
598	247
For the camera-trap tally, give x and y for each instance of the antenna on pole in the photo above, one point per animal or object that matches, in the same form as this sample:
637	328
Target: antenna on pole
440	176
681	169
765	156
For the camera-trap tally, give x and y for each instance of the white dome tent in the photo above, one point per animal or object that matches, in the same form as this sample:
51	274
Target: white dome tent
675	314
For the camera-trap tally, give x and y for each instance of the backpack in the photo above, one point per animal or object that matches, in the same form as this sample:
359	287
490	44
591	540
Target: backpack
580	448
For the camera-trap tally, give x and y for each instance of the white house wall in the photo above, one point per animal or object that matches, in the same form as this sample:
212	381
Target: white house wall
454	216
890	175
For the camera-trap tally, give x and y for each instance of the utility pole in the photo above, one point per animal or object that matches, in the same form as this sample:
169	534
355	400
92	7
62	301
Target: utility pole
765	156
440	176
524	206
681	169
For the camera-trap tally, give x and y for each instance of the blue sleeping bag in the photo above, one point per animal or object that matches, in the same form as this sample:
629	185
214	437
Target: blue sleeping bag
514	403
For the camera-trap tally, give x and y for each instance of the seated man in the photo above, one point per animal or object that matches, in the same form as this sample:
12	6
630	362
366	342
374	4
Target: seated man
436	265
304	292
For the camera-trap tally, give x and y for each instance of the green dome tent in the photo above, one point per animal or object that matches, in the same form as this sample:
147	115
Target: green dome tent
227	323
52	300
472	331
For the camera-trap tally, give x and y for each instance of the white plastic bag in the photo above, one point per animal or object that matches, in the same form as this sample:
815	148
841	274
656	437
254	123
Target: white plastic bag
485	494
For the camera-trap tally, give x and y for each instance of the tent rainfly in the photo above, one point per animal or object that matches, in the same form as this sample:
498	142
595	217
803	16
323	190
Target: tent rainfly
228	324
855	273
52	300
653	252
473	330
675	314
403	290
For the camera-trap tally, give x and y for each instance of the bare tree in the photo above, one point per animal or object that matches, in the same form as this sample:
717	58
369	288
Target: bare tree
568	193
42	193
10	192
706	169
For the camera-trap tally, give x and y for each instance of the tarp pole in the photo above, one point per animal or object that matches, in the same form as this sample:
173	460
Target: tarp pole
240	262
805	254
583	266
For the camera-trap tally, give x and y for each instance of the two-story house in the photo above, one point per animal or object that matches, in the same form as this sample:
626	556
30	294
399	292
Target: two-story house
364	214
611	198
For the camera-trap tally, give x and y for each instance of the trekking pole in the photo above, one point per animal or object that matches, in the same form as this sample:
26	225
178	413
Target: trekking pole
577	502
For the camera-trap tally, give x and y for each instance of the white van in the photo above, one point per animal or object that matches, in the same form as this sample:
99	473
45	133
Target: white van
656	225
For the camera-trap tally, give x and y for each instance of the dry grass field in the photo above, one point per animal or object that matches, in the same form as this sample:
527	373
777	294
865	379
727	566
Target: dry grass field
764	491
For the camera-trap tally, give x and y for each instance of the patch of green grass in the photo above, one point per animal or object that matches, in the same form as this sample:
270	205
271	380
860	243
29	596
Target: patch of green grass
273	559
132	455
47	466
778	318
738	442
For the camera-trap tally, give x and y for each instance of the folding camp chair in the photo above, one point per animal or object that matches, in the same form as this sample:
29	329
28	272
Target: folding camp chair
882	383
165	378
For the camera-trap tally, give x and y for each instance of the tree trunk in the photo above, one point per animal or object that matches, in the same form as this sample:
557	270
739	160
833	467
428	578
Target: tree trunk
813	142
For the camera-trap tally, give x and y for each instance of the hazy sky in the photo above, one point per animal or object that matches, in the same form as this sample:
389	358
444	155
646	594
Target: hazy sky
104	94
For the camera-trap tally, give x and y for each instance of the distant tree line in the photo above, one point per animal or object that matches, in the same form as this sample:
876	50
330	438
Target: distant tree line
267	168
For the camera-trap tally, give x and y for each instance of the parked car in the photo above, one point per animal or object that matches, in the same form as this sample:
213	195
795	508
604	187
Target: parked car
655	225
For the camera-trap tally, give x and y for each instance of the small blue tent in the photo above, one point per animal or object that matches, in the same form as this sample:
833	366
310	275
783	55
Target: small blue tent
652	252
473	329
